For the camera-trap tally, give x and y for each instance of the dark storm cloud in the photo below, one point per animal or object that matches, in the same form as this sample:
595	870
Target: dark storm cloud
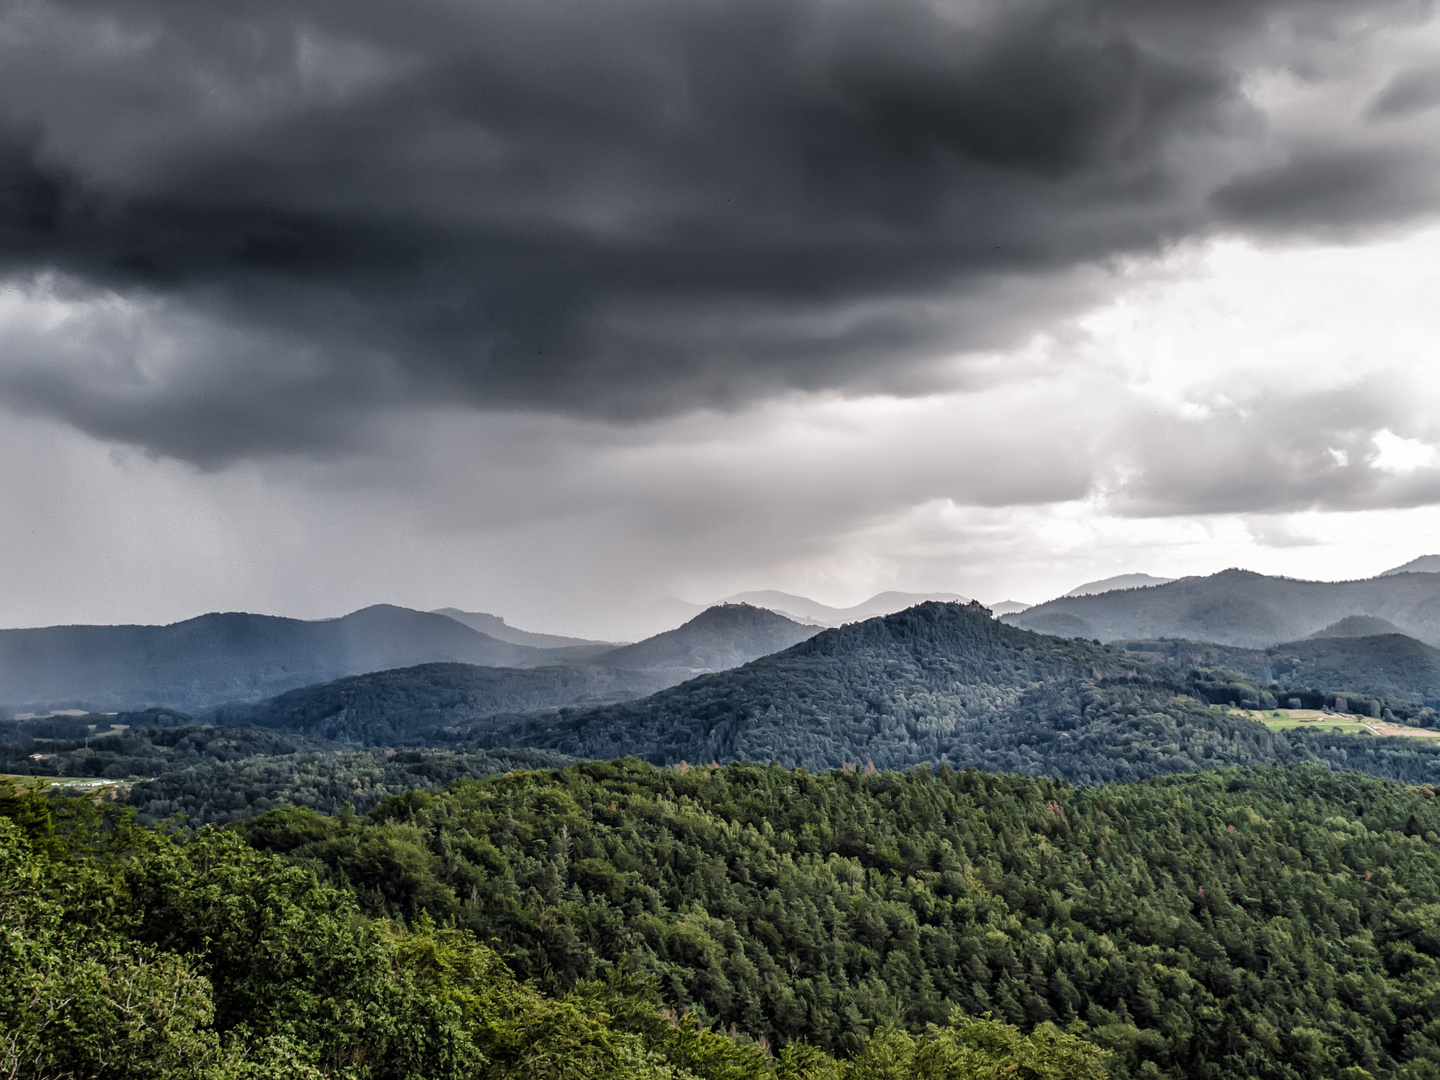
618	208
1332	191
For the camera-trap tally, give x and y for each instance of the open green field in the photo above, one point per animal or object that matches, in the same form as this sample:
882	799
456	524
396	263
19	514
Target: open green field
74	784
1313	720
1304	719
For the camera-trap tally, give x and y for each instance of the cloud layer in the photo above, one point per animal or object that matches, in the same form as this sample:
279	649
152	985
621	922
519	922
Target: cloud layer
550	307
272	222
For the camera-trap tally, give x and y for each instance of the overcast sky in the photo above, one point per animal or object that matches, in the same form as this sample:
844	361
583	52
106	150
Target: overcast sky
553	308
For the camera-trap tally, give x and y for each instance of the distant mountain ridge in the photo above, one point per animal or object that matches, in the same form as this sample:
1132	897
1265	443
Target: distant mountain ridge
1425	564
803	608
500	630
230	656
724	636
390	706
1122	581
236	657
1358	626
1239	607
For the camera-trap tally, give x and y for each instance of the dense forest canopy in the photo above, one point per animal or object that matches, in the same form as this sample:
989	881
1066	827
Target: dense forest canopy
131	953
1264	923
390	707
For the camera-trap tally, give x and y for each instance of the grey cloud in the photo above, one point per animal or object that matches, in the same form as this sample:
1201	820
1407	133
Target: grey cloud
617	210
1274	453
1410	92
1331	191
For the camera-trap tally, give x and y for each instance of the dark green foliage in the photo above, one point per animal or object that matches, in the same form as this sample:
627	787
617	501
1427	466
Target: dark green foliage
220	774
1387	666
1265	923
220	792
128	953
30	735
142	752
387	707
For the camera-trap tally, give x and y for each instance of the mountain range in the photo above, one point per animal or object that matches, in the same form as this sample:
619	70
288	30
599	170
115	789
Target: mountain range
392	706
1425	564
500	630
947	683
934	684
1123	581
234	656
804	609
1239	607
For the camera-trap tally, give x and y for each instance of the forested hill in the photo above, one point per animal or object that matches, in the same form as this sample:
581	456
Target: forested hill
935	682
1238	607
919	685
1268	924
1386	665
388	707
720	637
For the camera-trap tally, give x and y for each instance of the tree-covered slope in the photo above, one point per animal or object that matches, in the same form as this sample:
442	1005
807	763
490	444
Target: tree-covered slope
222	773
385	707
1238	607
132	954
1386	665
945	683
1275	923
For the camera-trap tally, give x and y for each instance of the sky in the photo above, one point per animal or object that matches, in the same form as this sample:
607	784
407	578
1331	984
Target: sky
555	309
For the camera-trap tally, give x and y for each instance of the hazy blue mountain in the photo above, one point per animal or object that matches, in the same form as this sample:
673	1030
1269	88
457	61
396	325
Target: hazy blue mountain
1425	564
1122	581
724	636
500	630
803	609
1358	626
1383	665
1008	607
233	656
384	707
1238	607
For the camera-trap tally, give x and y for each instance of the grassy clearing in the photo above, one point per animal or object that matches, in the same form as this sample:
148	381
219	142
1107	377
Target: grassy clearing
1305	719
1345	724
77	785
